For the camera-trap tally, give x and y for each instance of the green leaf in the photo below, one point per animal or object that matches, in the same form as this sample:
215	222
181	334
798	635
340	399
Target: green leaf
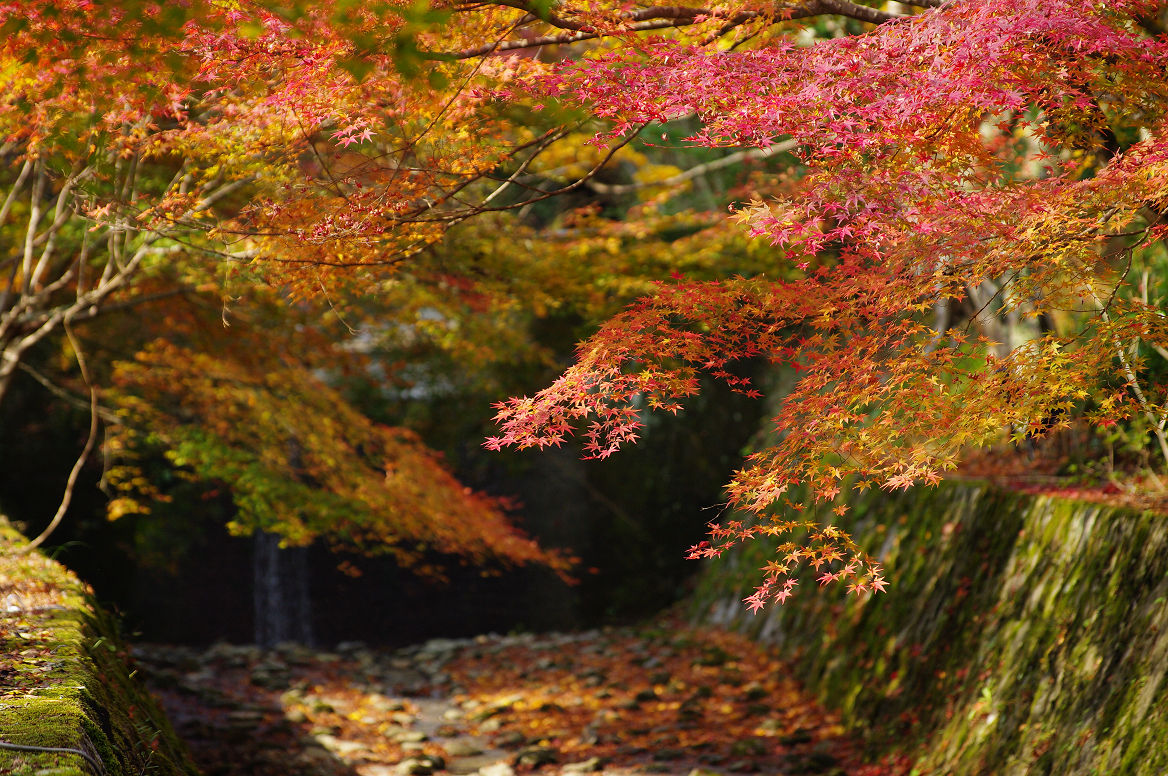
358	67
407	58
420	14
13	25
250	30
542	8
438	80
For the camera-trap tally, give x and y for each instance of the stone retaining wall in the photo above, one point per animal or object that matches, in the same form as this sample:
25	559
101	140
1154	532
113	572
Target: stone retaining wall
69	703
1022	635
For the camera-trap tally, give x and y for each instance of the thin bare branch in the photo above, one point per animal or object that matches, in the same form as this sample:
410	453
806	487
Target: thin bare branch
34	219
16	185
91	312
461	215
62	211
665	17
1132	380
91	440
539	144
82	261
106	414
215	195
697	170
549	139
575	35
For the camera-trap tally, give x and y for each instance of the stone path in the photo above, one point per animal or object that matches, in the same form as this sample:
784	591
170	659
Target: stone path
661	700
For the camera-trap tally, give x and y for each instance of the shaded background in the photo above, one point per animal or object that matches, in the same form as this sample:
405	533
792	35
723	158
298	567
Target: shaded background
177	576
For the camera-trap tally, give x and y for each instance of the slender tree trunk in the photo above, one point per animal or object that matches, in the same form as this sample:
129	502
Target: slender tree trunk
283	610
282	606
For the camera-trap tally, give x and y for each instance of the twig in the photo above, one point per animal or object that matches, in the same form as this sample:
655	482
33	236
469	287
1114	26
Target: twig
70	484
61	749
1132	381
106	414
661	18
693	172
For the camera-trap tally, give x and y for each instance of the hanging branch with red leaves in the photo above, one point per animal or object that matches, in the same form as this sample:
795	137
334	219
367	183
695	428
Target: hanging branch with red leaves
961	148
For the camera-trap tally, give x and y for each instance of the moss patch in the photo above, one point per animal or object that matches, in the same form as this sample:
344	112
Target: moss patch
65	681
1023	634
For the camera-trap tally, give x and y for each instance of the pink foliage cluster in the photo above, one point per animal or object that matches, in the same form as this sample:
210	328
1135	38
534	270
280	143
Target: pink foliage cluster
869	107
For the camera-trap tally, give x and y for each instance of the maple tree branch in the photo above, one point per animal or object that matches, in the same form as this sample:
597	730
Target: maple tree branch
224	190
661	18
93	311
666	16
34	219
540	144
549	138
574	35
697	170
462	215
841	8
63	210
16	186
559	39
91	440
336	187
63	394
1132	381
27	322
452	217
989	325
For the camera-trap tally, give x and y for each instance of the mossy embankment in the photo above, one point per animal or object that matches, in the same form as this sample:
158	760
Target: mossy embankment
68	698
1023	635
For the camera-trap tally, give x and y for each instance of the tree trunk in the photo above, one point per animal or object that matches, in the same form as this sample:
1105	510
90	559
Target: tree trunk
282	608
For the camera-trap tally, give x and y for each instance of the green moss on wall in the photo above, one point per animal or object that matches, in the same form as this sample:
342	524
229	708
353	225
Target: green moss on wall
1023	635
65	681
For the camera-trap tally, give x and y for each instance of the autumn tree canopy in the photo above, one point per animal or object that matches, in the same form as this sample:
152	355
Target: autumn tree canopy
206	153
1006	153
198	151
970	196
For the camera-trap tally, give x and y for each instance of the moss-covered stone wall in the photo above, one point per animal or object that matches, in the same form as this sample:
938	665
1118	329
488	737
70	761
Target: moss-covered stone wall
68	700
1022	634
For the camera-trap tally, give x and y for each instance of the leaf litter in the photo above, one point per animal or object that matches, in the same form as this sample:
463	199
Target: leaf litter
659	699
